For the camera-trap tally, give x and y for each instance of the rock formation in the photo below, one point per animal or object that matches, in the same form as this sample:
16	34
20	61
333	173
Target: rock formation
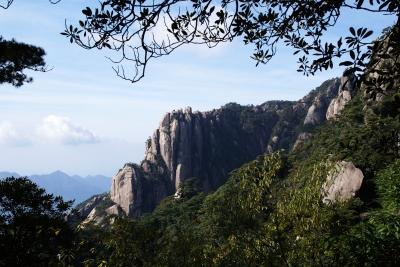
343	183
87	210
125	188
209	145
346	93
316	113
84	208
101	217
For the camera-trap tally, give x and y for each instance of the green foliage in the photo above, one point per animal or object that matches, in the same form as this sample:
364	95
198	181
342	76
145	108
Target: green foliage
389	107
181	239
270	211
33	231
307	228
376	239
388	187
233	215
190	187
367	139
132	243
170	236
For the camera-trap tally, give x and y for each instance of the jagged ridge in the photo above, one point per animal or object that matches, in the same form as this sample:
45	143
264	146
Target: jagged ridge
209	145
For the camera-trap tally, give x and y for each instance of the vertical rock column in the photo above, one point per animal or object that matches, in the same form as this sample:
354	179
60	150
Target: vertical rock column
126	189
346	93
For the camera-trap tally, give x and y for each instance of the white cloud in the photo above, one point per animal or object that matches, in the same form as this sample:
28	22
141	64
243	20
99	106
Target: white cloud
63	130
10	136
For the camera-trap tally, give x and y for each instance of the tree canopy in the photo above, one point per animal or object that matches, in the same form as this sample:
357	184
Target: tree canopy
15	58
139	31
33	231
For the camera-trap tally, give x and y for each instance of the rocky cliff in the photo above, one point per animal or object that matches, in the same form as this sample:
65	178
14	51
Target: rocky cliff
208	145
347	91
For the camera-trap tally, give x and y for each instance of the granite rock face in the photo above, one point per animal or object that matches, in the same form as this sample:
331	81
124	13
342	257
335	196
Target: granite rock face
90	204
209	145
343	183
316	113
83	210
126	189
346	93
100	217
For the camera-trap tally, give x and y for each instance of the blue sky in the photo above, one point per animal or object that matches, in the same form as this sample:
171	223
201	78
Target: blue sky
82	119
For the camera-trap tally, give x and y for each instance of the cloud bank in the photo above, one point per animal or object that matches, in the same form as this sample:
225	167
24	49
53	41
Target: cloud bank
9	136
63	130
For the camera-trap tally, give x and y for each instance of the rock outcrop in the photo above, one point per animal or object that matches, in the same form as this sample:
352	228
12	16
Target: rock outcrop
316	113
89	209
138	189
381	78
101	217
343	183
86	207
346	93
126	189
209	145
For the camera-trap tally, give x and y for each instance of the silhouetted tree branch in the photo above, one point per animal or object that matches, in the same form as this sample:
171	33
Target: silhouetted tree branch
140	30
8	3
16	57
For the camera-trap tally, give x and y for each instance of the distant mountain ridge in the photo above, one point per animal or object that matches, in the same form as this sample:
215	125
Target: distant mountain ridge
69	187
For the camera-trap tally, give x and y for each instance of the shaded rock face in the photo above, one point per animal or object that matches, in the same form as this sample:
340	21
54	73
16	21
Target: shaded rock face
209	145
343	184
346	93
316	113
90	204
89	210
383	72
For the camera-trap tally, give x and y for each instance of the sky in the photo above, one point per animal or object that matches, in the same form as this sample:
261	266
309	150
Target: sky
82	119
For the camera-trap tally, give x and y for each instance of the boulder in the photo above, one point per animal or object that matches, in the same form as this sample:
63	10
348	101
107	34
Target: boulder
343	183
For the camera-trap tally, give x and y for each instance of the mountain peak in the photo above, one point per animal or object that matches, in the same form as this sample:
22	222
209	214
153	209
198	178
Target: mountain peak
196	144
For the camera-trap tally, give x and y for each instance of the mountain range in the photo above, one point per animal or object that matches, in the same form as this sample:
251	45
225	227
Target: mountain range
69	187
